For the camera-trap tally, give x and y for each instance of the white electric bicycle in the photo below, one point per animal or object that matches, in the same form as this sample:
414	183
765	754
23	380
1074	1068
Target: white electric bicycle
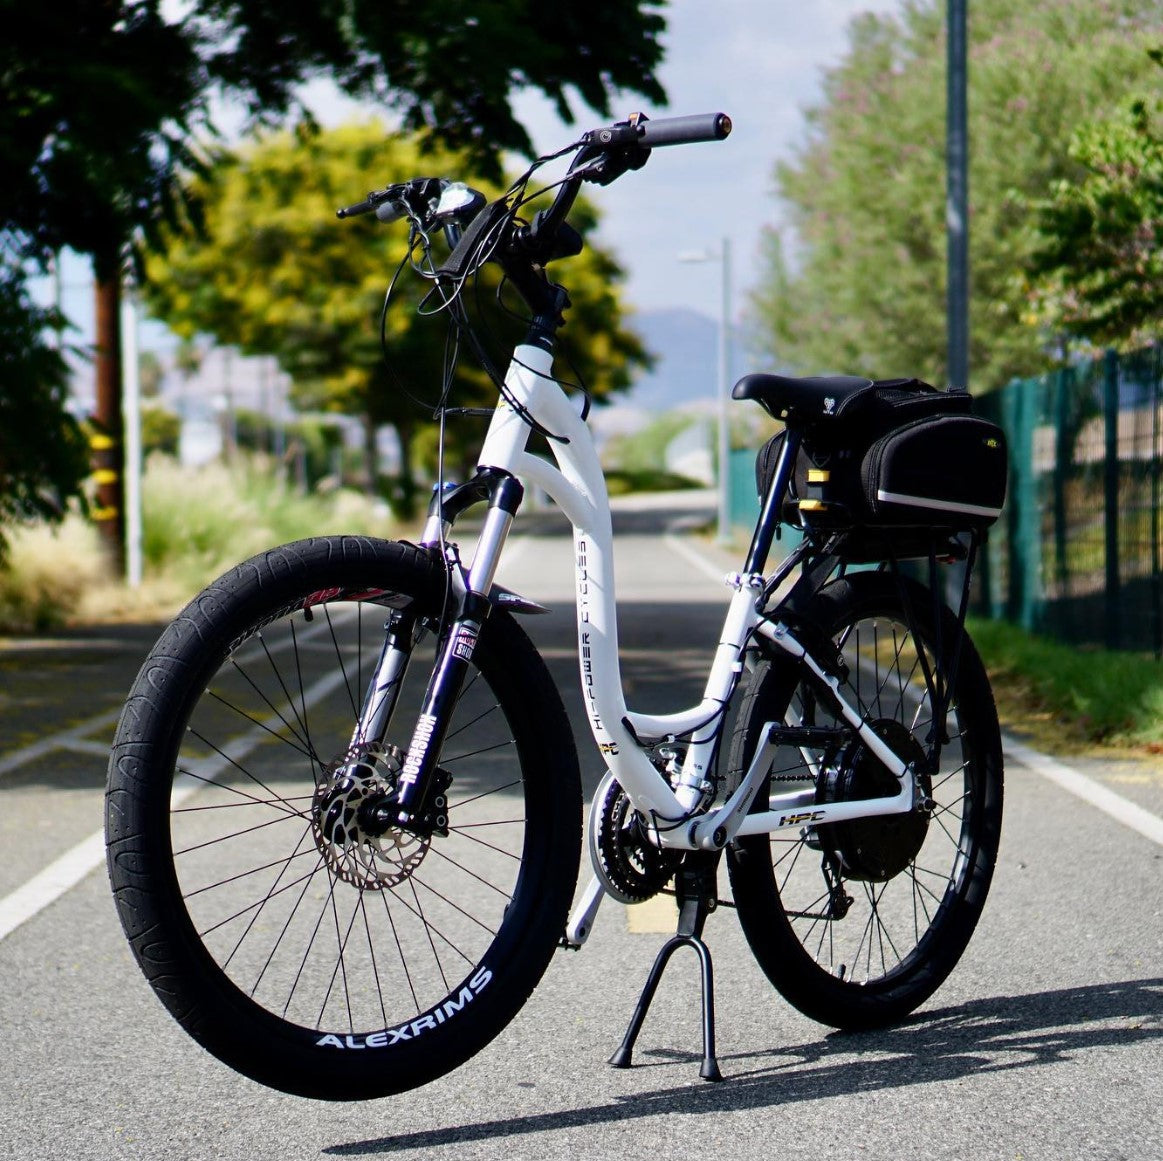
344	813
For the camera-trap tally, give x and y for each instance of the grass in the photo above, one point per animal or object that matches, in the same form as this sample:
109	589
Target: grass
200	522
47	574
1071	698
622	481
197	524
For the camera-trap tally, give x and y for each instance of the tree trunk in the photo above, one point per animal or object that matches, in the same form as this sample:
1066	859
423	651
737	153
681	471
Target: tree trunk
107	442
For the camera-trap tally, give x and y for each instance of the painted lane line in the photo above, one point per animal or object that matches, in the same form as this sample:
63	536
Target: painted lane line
58	741
63	875
683	548
51	883
86	746
1119	808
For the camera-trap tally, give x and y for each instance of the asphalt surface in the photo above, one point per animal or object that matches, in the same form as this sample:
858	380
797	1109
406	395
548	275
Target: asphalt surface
1046	1042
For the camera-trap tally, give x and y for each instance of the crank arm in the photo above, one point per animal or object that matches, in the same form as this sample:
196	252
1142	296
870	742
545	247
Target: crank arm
581	922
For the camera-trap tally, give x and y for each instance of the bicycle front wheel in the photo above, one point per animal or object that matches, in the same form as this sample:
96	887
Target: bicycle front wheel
857	923
304	953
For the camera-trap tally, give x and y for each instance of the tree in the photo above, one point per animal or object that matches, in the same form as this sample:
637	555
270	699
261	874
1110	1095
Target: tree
1097	271
96	103
273	272
161	430
100	100
38	474
860	282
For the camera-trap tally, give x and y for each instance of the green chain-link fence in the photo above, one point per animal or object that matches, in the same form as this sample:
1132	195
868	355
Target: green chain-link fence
1076	553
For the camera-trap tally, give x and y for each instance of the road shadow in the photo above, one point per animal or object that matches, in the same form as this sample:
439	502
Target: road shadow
998	1034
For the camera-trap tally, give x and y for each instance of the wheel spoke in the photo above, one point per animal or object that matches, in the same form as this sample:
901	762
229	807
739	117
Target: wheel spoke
292	935
283	919
895	884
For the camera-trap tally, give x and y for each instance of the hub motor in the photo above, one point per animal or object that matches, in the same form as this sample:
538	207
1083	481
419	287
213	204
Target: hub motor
874	850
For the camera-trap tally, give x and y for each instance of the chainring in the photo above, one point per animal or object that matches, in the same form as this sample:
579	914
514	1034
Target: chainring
631	868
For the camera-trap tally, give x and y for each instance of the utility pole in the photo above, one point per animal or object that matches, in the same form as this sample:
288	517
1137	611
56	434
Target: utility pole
957	199
724	395
131	420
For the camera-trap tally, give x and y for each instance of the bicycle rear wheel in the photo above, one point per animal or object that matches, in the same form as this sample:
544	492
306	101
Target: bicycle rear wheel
857	923
281	937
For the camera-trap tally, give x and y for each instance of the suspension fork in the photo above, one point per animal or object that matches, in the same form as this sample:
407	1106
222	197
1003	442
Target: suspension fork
456	648
379	703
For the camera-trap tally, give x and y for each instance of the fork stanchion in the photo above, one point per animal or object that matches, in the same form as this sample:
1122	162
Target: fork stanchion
695	884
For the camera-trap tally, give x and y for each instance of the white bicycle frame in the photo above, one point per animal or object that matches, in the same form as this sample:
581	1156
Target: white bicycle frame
577	485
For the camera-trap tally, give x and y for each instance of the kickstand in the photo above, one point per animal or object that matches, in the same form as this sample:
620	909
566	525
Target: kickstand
695	887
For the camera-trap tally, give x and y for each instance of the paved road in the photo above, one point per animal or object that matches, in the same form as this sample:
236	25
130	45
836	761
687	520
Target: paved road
1047	1042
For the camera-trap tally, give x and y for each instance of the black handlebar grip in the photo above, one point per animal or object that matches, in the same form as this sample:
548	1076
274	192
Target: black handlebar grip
364	207
684	130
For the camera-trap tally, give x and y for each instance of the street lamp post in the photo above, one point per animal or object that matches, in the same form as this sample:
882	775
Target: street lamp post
957	198
723	391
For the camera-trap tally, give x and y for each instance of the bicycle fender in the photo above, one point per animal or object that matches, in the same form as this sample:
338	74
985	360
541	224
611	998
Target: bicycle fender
503	598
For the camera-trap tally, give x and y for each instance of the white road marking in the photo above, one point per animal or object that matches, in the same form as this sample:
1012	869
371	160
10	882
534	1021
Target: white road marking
51	883
67	871
682	547
1119	808
72	738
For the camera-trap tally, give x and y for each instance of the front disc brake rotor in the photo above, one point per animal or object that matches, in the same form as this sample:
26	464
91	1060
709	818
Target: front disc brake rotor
370	861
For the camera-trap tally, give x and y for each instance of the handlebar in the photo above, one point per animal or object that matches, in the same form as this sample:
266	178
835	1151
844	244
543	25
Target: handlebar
601	156
639	130
684	130
632	139
382	201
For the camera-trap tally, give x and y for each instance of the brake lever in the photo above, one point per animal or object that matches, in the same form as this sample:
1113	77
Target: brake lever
607	164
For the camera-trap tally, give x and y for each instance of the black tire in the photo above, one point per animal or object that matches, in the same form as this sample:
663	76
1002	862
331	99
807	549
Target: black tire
916	883
300	969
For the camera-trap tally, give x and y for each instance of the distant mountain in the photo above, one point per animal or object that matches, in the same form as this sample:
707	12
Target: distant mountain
685	344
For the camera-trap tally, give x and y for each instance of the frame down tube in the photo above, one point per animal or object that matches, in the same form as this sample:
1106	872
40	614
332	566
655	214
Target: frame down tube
578	487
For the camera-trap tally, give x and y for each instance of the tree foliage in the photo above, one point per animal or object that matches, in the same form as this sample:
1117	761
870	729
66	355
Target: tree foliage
43	453
859	282
450	68
1097	271
100	101
273	272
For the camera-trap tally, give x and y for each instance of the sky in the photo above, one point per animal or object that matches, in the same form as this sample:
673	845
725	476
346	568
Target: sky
760	61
